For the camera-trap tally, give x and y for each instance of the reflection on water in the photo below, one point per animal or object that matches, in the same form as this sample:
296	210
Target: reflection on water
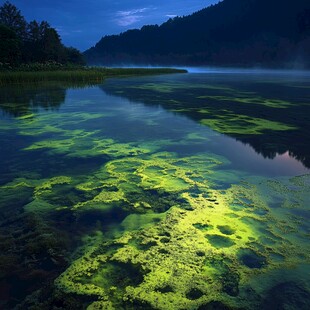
190	191
19	101
24	99
269	112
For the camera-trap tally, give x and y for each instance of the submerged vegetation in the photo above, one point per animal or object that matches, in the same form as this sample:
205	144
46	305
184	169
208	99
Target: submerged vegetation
213	252
113	205
179	242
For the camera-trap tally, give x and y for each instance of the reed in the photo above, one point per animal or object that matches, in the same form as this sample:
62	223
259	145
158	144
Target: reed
89	75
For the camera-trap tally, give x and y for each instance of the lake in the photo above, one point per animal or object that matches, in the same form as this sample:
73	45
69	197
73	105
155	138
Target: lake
182	191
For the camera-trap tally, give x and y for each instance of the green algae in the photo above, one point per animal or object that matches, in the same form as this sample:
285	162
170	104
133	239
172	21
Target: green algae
78	142
230	94
26	116
239	108
128	179
185	244
162	88
171	87
138	221
41	124
180	263
63	145
270	103
116	182
122	181
244	125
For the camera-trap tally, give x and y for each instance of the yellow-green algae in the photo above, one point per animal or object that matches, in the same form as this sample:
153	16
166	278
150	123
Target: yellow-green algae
242	124
171	87
48	185
41	191
58	137
183	258
233	95
271	103
41	124
81	143
26	116
125	180
233	121
175	263
122	181
194	253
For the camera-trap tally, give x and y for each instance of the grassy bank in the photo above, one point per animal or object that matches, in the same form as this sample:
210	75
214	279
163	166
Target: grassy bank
81	74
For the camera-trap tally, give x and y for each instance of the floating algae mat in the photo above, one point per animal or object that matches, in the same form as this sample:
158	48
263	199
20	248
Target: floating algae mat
172	192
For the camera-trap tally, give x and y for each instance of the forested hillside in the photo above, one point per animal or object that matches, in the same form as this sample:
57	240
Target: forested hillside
232	32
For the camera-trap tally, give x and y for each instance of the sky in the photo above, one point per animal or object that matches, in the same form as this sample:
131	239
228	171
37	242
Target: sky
82	23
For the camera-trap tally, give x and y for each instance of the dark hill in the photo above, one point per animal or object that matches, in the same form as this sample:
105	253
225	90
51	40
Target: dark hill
232	32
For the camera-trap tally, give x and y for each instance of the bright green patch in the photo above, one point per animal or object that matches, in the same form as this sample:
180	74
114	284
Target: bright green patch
243	124
246	99
180	263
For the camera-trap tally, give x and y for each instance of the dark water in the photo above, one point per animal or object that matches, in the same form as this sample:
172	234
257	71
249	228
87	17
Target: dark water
170	192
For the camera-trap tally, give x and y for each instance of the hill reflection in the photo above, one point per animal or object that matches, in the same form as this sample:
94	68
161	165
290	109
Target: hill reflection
271	114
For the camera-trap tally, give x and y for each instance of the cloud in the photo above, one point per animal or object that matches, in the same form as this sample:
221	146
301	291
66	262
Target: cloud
131	12
126	18
171	15
129	20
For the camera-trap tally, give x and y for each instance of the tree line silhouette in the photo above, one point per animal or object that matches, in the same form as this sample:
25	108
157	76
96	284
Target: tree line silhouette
23	42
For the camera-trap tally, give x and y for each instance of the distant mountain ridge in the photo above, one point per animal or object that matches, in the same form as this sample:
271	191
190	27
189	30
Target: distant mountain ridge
232	32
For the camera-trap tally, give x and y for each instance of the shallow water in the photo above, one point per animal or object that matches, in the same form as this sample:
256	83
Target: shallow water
185	191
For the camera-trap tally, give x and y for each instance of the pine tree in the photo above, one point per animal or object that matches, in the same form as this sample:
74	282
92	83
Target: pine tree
11	17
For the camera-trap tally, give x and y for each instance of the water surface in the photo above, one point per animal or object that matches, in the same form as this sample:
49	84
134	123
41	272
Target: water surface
172	192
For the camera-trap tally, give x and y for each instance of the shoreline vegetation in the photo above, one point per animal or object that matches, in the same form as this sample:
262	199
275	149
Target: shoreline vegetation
71	73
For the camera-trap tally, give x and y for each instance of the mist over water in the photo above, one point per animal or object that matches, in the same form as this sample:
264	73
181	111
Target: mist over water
256	71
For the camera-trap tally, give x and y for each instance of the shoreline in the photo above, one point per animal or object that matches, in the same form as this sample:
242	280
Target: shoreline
88	75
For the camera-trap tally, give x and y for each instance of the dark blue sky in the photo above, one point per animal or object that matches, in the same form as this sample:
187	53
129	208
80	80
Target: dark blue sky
82	23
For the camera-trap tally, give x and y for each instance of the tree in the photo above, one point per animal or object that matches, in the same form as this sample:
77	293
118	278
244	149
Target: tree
74	56
43	43
9	46
52	47
31	50
34	32
11	17
33	42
